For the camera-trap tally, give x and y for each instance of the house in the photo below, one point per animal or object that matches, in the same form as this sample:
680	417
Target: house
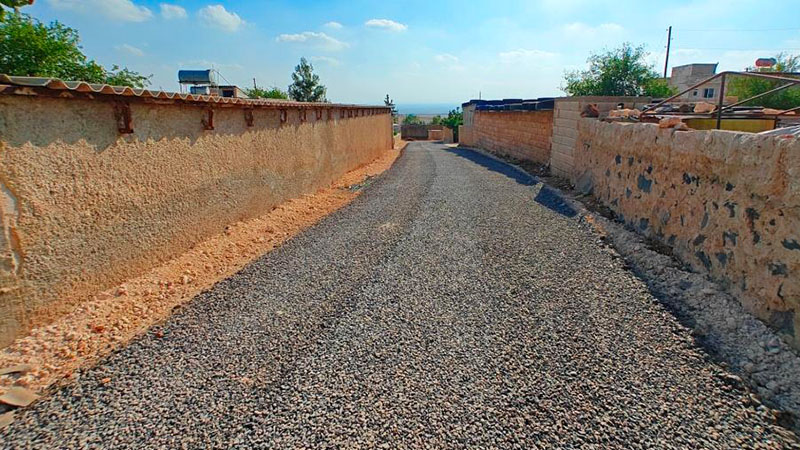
686	76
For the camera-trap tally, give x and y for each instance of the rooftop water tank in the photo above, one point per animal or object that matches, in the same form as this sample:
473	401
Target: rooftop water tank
196	77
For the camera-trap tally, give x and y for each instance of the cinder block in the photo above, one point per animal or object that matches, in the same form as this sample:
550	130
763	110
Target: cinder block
568	105
563	149
566	114
565	140
566	131
566	123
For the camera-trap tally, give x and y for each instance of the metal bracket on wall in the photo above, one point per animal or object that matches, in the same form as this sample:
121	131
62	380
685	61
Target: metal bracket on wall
248	117
208	120
303	117
319	114
349	113
284	116
122	113
341	114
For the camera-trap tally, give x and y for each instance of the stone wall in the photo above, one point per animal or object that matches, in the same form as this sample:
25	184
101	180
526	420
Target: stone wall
523	135
727	203
84	207
565	128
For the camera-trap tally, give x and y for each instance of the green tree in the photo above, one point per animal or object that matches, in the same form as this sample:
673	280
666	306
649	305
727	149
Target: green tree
390	103
273	92
619	72
436	120
305	85
30	48
411	119
745	87
12	4
126	77
454	118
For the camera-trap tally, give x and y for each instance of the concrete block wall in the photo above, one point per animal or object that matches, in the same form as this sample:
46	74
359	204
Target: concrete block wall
727	203
567	114
84	208
447	135
523	135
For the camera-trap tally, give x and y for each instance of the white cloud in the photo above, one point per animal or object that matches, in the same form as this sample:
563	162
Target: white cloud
582	30
523	55
386	24
333	25
316	39
169	11
445	58
218	17
129	49
119	10
327	60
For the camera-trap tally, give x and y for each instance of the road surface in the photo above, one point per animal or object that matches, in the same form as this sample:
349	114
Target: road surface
456	303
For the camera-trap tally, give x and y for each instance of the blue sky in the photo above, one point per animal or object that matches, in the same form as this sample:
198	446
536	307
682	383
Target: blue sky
417	51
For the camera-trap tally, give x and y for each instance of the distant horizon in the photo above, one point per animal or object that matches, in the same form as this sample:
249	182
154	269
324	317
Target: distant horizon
426	108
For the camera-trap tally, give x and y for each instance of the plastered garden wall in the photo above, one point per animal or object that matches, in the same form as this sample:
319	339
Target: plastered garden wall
523	135
727	203
84	207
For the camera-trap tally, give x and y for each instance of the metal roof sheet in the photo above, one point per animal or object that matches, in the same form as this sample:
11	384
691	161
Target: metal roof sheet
56	84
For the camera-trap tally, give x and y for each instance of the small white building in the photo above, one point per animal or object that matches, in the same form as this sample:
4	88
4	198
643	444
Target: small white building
686	76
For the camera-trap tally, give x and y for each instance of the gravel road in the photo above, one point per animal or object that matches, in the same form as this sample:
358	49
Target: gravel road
454	304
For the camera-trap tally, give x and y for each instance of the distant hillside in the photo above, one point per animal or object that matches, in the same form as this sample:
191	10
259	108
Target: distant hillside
426	108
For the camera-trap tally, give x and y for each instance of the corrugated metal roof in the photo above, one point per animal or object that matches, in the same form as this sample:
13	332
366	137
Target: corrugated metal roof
55	84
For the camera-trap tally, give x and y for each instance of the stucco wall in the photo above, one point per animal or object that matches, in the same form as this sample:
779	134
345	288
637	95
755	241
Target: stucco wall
727	203
523	135
84	208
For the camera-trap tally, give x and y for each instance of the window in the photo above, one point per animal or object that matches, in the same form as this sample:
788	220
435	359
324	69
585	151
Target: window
708	93
694	93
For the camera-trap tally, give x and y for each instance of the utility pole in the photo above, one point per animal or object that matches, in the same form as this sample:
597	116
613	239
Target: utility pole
669	41
254	84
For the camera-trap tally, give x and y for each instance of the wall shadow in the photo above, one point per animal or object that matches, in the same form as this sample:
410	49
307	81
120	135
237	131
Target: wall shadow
547	196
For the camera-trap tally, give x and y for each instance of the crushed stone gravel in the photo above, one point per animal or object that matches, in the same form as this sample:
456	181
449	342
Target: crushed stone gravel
456	303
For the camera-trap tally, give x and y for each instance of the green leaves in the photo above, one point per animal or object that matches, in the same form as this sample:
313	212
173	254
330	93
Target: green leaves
744	87
454	118
31	48
411	119
13	4
273	92
305	85
619	72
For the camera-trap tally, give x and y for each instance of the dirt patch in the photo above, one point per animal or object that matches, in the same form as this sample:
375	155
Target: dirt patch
113	317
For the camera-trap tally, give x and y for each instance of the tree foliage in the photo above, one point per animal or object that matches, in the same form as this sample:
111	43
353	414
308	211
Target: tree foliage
436	120
390	103
619	72
745	87
454	118
411	119
31	48
12	4
273	92
125	77
305	85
